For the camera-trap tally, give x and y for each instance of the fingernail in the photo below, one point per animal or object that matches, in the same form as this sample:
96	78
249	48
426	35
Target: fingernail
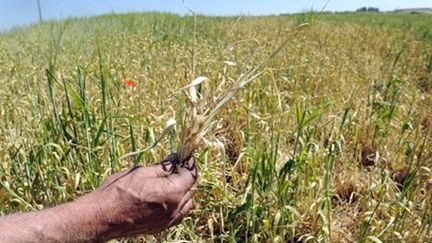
190	164
192	167
167	165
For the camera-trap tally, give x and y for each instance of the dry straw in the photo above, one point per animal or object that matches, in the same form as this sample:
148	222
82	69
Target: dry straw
200	113
201	110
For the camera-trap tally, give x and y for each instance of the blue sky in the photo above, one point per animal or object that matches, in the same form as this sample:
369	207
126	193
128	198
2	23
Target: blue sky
22	12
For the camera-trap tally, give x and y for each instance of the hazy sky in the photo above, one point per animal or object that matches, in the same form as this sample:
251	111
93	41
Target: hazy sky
21	12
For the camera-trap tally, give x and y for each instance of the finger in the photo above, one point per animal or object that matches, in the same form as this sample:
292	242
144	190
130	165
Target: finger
167	166
184	179
191	166
170	165
162	169
182	213
186	197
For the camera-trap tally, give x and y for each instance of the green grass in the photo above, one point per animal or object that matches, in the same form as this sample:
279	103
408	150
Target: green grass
331	143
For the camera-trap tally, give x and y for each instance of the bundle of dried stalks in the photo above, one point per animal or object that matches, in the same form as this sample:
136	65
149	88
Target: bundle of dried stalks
201	110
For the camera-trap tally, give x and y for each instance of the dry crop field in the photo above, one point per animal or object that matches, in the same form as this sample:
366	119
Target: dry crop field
331	142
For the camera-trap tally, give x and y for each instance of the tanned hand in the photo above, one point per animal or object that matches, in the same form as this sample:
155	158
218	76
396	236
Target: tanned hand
142	200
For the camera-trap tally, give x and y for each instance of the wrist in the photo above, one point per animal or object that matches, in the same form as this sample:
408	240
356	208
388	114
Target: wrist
90	216
105	218
77	221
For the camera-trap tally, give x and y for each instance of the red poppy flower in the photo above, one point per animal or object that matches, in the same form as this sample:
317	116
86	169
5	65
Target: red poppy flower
130	83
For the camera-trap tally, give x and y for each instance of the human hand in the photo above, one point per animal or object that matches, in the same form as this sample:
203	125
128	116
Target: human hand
145	200
142	200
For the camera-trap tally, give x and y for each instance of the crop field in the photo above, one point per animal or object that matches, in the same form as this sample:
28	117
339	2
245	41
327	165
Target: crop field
330	143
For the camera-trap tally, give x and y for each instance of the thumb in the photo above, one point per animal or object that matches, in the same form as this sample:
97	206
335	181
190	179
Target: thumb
166	167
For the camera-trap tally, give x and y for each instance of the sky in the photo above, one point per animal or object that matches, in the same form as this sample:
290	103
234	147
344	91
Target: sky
23	12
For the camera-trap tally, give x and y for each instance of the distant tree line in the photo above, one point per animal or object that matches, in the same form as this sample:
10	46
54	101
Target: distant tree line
367	9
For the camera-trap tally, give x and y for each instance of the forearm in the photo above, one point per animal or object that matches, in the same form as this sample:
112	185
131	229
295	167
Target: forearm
77	221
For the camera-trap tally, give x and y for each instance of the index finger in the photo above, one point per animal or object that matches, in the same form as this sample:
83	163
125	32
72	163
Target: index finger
186	176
